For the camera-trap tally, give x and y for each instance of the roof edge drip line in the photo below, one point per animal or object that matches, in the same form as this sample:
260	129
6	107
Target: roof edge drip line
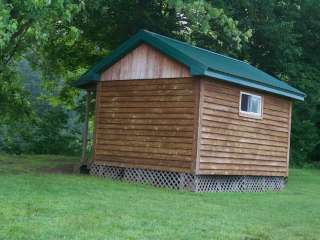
252	84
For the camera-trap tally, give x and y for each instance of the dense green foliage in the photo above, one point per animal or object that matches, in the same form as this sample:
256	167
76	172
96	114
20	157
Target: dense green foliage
50	133
48	128
61	39
25	29
38	205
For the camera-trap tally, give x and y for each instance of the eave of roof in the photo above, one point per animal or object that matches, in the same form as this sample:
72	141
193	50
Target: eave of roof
252	84
200	62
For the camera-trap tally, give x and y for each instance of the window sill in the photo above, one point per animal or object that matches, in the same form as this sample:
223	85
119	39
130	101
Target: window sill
248	115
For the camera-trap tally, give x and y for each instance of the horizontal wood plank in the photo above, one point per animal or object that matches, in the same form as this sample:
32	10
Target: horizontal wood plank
163	110
134	154
134	164
241	172
152	127
148	161
148	104
252	124
146	144
148	82
253	128
233	149
179	120
242	167
148	98
148	87
128	137
145	132
240	162
240	133
172	92
241	155
217	136
183	117
237	144
147	149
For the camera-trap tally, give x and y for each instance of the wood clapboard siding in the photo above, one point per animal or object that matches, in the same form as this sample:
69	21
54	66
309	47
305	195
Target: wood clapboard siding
230	144
147	124
145	62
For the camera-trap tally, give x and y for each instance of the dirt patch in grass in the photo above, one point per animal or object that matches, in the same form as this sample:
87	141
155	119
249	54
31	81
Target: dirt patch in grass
63	169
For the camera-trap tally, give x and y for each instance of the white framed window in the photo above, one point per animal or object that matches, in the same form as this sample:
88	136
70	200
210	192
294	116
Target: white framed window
250	105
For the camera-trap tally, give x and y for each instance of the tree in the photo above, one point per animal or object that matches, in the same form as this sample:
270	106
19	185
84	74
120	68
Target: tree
25	28
208	26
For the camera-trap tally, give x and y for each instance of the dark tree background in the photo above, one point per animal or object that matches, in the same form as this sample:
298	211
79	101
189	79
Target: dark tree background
46	45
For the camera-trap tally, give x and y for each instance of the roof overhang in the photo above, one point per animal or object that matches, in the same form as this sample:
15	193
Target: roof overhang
252	84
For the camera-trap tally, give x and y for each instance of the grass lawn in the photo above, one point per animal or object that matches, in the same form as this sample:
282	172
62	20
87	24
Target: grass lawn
37	202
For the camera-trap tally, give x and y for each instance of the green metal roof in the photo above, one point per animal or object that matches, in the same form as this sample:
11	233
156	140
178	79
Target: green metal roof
201	62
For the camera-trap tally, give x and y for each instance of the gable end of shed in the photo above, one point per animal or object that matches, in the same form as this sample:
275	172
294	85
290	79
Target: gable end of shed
145	62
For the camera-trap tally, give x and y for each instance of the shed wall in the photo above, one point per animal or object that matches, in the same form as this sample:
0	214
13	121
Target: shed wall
230	144
147	124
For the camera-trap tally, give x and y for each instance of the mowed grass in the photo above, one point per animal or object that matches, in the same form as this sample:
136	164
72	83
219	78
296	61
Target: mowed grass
36	203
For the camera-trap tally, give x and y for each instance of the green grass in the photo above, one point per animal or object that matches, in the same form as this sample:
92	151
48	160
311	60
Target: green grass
39	205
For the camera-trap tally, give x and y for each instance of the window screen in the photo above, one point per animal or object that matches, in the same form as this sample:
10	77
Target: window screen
250	103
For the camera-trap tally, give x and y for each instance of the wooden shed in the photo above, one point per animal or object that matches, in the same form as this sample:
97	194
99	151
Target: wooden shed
172	114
